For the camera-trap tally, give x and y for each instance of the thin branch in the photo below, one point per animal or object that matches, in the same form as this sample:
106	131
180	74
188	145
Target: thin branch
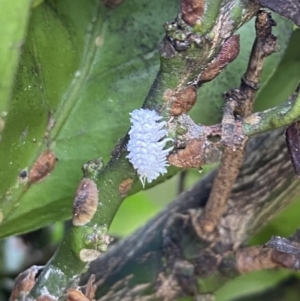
254	259
279	116
277	252
257	123
238	101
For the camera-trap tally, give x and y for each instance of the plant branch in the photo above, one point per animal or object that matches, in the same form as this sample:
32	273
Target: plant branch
170	236
279	116
237	101
183	57
257	123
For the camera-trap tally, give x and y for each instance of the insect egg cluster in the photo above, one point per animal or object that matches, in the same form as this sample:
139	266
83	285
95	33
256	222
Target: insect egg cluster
146	144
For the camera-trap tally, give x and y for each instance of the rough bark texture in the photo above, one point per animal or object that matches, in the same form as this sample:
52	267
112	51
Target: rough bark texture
163	260
287	8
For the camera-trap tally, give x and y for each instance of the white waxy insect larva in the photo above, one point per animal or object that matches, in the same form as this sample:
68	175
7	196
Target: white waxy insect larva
146	144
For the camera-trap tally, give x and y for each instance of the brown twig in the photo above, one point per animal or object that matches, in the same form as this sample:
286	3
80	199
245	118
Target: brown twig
237	102
254	259
277	252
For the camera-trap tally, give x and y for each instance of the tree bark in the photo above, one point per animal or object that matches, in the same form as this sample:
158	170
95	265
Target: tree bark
166	259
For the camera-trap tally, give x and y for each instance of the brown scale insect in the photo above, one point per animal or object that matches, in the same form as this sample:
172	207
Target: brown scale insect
229	52
76	295
90	290
192	10
85	202
191	156
42	167
183	100
125	186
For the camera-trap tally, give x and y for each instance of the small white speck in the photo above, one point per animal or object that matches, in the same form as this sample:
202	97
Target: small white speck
99	41
149	55
77	73
45	291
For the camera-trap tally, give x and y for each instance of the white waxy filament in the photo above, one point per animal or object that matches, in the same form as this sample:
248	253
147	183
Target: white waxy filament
146	144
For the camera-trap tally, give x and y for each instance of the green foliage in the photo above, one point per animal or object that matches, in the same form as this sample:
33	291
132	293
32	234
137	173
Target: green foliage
87	67
251	283
14	16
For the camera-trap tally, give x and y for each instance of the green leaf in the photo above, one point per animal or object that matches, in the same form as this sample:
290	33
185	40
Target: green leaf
250	283
84	67
14	16
133	213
